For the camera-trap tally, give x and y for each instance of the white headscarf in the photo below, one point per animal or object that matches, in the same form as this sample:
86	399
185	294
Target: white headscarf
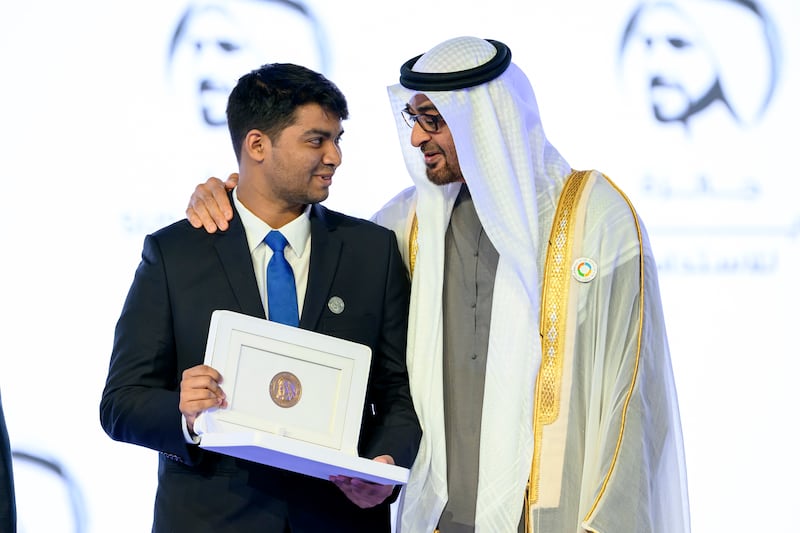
514	176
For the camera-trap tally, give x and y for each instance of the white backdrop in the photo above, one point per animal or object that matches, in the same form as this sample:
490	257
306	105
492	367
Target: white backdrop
100	143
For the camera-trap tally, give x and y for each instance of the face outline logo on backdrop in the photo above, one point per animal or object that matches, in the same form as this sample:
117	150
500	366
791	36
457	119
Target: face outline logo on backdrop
217	41
701	76
702	54
43	482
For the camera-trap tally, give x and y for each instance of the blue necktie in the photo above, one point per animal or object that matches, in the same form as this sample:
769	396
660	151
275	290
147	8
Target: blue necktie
281	291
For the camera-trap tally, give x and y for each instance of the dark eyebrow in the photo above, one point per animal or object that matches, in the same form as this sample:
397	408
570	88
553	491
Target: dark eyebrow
324	133
422	109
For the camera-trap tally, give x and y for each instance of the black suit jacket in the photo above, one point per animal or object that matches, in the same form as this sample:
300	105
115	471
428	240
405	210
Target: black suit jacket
185	274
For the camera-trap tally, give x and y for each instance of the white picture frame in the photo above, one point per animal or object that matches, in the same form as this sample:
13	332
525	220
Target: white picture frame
295	399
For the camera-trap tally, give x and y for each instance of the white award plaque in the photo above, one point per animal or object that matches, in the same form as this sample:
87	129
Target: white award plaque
295	399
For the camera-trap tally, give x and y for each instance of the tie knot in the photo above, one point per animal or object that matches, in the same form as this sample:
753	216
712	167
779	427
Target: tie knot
276	241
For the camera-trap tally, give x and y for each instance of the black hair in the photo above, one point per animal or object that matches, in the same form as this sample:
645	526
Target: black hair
266	99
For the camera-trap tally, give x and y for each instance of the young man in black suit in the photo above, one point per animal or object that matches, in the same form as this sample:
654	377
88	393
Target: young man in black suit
286	125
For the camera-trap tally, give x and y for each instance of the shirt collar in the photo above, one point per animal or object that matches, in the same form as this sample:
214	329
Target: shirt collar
297	231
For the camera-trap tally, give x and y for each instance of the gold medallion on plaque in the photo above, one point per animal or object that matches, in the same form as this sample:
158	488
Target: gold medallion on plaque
285	389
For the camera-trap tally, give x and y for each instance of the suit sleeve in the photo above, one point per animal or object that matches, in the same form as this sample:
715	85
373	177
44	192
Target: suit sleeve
395	429
139	404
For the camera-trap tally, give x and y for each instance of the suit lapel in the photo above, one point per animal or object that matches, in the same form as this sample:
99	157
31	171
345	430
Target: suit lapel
235	257
325	249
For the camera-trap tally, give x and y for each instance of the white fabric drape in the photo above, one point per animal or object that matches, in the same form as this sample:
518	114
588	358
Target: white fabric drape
515	177
496	139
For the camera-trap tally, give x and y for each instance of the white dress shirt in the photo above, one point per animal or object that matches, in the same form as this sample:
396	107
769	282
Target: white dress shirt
298	253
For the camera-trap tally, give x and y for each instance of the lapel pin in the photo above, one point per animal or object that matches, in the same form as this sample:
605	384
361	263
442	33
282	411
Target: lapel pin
336	305
584	269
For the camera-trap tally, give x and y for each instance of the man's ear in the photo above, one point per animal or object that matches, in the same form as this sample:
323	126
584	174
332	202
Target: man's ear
256	145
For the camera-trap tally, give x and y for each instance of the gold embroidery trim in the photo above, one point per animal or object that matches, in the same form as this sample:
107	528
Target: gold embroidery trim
552	323
413	247
540	419
635	375
555	293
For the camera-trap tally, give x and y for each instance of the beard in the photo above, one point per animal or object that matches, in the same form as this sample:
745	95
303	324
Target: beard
444	174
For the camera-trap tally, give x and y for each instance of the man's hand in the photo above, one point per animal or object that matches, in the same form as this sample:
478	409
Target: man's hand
209	206
200	390
364	493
